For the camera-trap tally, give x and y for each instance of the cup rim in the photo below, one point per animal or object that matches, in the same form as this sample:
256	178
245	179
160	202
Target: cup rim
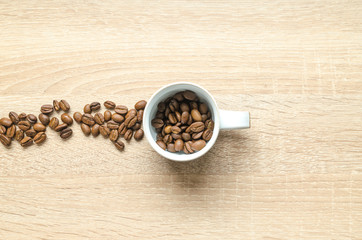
176	156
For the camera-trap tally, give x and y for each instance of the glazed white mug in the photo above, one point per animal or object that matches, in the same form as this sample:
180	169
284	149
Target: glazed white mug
223	119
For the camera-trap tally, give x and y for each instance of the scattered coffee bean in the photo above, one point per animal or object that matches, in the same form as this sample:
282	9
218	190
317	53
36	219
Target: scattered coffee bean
77	117
66	133
87	109
94	106
44	119
104	130
119	145
136	126
61	127
31	118
5	140
99	118
10	132
19	135
64	105
138	135
128	135
122	129
121	109
130	122
31	133
113	136
6	122
117	118
140	116
40	137
85	129
95	130
56	105
22	116
107	115
39	127
24	125
88	119
109	104
46	109
26	142
14	117
112	125
131	113
2	129
54	122
140	105
66	118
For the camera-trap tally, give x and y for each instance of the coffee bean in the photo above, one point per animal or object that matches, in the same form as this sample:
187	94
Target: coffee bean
140	105
94	106
10	132
208	115
2	129
87	109
167	129
77	117
40	138
112	125
54	122
172	118
107	116
185	150
167	139
122	129
189	122
131	113
179	145
85	129
104	130
117	118
194	105
197	127
171	147
113	136
175	129
66	118
198	145
188	147
39	127
161	144
203	117
136	126
189	95
121	109
26	142
66	133
5	140
88	119
19	135
56	105
6	122
196	116
22	116
167	112
173	105
184	107
64	105
95	130
61	127
99	118
161	107
160	115
203	108
157	123
184	117
109	104
140	116
31	118
159	137
179	97
186	137
30	133
44	119
207	135
197	135
119	145
24	125
14	117
209	124
175	136
130	122
46	109
138	135
128	135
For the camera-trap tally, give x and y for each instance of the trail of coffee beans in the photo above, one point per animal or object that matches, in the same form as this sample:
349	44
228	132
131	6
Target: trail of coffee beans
116	122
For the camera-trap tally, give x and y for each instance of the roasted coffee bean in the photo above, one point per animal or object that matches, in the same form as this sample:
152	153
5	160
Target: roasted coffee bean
140	116
64	105
122	129
197	135
167	111
171	147
159	137
56	105
175	129
54	122
185	150
185	117
31	118
6	122
109	104
40	138
85	129
161	107
39	127
194	105
14	117
188	147
99	118
46	109
157	123
178	117
167	139
128	135
179	145
175	136
95	130
94	106
113	136
117	118
121	109
189	95
77	117
203	108
19	135
10	132
172	118
167	129
26	142
66	118
104	130
196	116
140	105
160	115
197	127
112	125
189	122
87	109
184	107
22	116
203	117
131	113
161	144
130	122
208	115
31	133
5	140
173	105
136	126
207	135
198	145
209	124
88	119
24	125
186	136
44	119
2	129
138	135
61	127
107	116
179	97
66	133
119	145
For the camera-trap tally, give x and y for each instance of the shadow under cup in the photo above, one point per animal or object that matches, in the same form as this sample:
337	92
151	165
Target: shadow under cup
151	110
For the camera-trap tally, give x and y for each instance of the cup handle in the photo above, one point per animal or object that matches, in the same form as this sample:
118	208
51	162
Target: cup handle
234	119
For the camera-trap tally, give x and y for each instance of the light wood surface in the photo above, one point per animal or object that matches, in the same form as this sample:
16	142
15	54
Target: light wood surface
295	65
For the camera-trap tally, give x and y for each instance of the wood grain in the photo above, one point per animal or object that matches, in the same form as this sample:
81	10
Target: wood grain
295	174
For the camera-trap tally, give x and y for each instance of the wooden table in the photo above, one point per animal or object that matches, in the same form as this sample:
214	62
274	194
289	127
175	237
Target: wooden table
295	65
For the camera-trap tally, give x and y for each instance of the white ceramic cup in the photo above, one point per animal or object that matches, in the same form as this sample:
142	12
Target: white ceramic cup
223	119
